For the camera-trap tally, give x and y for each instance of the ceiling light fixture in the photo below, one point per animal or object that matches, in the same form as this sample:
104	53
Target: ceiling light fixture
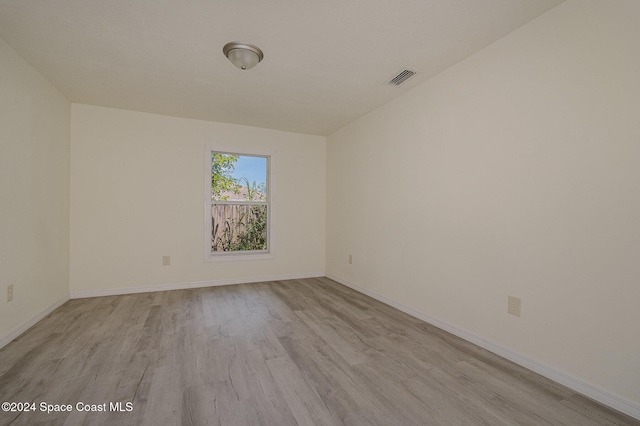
243	55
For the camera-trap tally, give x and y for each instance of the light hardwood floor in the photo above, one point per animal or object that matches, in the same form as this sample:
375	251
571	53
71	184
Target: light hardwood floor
308	352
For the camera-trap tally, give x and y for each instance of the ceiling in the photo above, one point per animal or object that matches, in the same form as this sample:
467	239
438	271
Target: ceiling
326	62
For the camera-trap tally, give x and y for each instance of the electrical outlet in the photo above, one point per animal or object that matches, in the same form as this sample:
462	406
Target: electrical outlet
166	260
515	306
10	293
350	260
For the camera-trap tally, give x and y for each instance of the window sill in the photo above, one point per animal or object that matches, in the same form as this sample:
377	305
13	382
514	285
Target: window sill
230	257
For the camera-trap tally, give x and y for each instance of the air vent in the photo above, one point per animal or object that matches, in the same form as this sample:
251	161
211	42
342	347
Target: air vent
403	76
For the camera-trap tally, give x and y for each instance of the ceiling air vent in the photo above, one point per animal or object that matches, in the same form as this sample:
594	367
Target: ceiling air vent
403	76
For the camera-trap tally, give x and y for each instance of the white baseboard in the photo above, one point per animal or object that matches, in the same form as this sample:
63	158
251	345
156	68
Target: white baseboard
607	398
17	331
195	284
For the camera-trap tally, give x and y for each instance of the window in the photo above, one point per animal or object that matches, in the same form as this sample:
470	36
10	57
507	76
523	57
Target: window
238	205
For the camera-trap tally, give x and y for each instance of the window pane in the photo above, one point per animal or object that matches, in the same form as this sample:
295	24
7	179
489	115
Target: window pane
239	202
238	227
238	177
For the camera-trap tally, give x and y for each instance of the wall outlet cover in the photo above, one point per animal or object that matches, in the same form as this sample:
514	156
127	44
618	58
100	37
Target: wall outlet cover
515	306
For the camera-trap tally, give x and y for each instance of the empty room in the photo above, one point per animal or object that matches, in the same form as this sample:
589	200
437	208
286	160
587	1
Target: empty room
420	212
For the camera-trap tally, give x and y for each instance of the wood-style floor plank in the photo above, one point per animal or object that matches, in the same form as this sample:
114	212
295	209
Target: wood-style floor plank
297	352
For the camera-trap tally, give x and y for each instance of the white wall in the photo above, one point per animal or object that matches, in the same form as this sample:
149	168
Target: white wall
516	172
34	193
137	185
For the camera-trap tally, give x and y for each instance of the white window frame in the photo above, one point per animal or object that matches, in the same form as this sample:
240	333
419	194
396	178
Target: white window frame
210	256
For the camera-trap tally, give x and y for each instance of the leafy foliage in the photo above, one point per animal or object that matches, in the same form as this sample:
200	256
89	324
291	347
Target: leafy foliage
254	191
222	167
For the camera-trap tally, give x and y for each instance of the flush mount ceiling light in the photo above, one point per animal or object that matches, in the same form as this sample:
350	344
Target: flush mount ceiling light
243	55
